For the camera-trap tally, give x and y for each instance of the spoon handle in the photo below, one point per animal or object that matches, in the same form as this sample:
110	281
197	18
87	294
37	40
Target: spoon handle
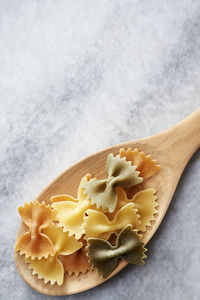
181	141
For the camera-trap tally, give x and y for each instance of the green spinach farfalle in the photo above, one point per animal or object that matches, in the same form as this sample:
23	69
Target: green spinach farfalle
104	256
120	173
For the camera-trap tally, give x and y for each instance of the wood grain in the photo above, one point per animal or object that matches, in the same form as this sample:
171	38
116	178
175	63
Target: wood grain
172	149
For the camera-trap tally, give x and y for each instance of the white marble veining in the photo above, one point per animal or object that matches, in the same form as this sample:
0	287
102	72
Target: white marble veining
78	76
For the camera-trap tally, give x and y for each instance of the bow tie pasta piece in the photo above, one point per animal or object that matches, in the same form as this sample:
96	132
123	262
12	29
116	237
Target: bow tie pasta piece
98	225
70	212
35	243
104	256
51	268
76	263
120	173
145	203
145	165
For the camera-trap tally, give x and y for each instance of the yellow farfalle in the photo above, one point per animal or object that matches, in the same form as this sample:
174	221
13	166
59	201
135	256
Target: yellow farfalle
71	211
145	165
97	223
144	201
35	243
51	268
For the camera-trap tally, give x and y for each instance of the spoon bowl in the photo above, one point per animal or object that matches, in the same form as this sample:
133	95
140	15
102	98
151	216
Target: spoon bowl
172	149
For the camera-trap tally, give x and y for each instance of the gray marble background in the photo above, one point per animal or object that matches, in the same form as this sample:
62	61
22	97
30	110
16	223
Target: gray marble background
79	76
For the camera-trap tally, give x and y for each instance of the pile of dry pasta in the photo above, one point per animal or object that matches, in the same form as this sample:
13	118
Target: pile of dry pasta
103	225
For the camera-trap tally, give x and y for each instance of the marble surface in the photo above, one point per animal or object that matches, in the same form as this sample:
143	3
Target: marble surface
79	76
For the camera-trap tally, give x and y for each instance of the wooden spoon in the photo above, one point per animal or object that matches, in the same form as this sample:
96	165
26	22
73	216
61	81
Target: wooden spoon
172	149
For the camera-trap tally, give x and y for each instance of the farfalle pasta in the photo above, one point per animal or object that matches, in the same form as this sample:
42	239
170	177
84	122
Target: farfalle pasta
97	223
51	268
103	225
144	164
144	202
104	256
35	243
120	173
